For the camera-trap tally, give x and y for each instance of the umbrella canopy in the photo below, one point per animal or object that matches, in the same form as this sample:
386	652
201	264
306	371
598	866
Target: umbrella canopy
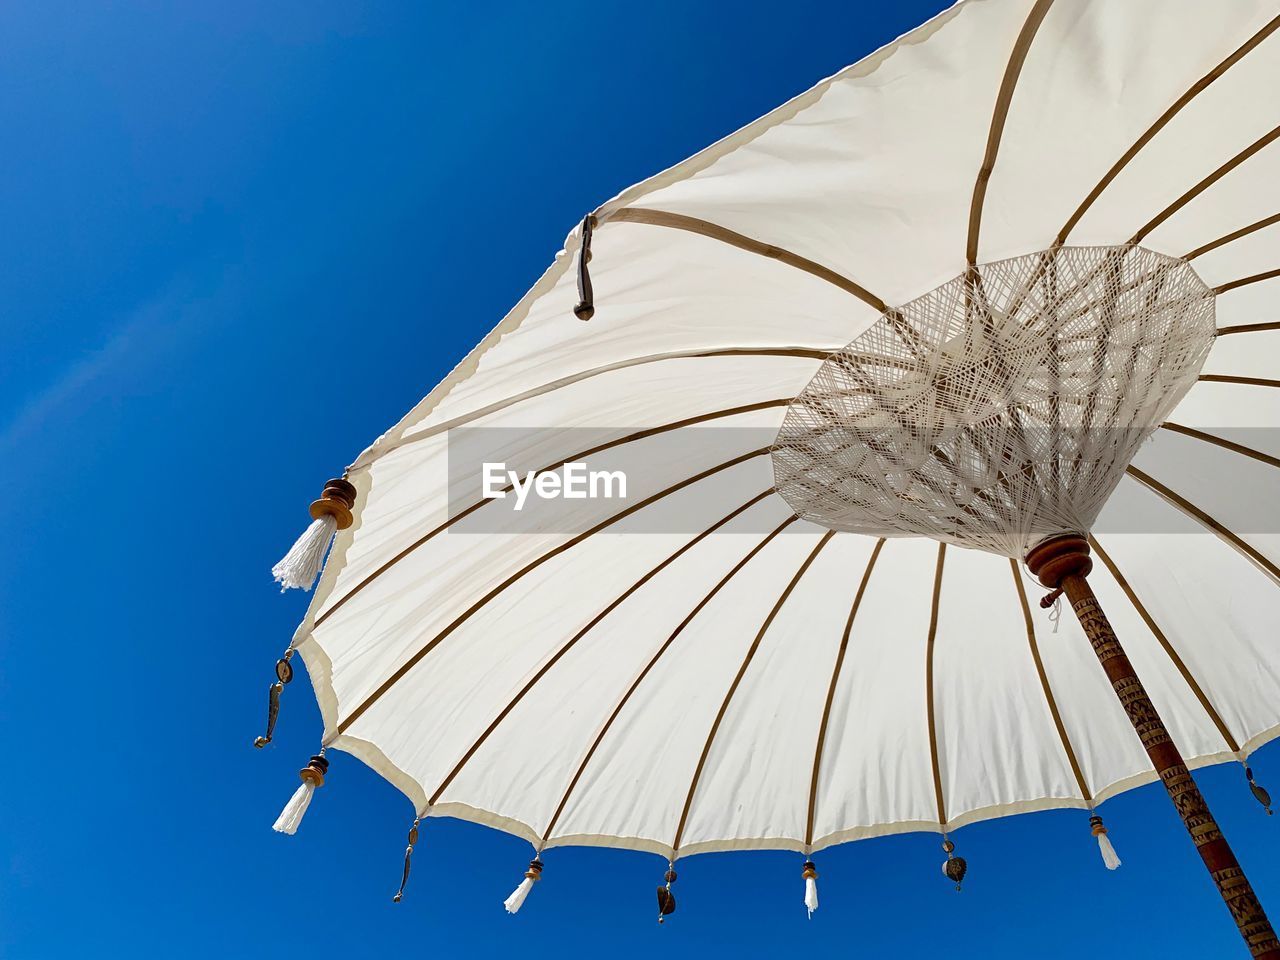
694	667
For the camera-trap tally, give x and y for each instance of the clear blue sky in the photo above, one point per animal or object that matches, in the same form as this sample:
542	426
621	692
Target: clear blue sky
237	241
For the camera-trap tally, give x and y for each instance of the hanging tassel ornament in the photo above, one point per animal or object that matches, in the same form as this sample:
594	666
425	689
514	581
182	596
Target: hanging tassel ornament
667	899
953	868
585	308
284	673
533	874
408	852
1104	843
1259	793
331	513
810	875
312	776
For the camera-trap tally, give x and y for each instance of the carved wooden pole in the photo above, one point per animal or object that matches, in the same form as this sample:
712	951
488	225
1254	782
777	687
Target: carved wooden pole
1063	563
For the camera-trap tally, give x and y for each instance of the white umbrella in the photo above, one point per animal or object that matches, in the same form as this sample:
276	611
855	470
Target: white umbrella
944	295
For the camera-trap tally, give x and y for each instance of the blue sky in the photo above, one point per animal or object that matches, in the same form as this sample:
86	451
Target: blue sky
239	240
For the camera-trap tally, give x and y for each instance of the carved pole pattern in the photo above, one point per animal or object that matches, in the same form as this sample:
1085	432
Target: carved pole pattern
1230	880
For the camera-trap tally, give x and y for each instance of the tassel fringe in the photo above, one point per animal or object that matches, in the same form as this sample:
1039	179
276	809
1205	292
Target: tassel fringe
312	776
292	813
1109	857
517	898
301	565
514	902
810	875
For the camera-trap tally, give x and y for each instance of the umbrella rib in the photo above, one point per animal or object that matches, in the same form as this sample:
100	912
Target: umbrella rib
1192	92
1239	448
608	724
928	684
1246	381
629	438
1165	645
1049	698
831	695
1234	235
1244	281
733	687
613	605
554	552
714	231
807	353
1191	510
1017	57
1207	182
1249	327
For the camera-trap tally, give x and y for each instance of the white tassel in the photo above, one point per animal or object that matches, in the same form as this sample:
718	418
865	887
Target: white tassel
312	776
810	875
514	902
518	895
301	565
292	813
1108	852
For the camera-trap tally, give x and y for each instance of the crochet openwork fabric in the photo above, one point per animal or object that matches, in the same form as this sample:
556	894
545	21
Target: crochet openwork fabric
1002	407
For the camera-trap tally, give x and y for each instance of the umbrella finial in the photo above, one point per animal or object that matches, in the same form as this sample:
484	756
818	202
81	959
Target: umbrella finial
810	874
284	673
1109	856
586	308
312	776
517	898
953	868
1259	792
408	852
667	899
331	513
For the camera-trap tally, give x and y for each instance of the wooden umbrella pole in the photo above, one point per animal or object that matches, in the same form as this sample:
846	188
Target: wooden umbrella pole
1063	563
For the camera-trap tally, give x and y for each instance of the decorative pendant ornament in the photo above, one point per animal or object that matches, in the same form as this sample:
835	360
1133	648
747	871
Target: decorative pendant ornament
1109	856
953	868
1259	793
810	874
331	513
585	308
284	673
312	776
667	899
408	853
518	895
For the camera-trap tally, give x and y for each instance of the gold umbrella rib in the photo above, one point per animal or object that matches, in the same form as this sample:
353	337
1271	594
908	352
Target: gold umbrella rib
831	696
591	451
1017	57
928	685
1245	281
1049	699
1192	92
733	687
803	352
554	552
1239	448
591	624
1234	235
1249	327
618	707
1168	647
1244	381
1207	182
1191	510
714	231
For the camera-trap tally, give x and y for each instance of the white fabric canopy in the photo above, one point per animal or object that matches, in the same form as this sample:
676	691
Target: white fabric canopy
725	702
